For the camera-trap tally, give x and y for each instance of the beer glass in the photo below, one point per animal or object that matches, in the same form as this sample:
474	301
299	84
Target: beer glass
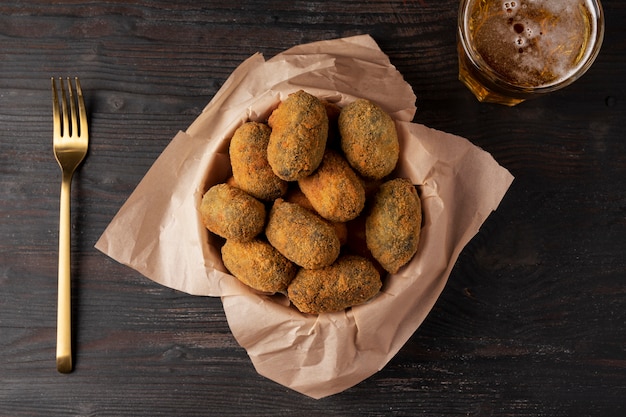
510	51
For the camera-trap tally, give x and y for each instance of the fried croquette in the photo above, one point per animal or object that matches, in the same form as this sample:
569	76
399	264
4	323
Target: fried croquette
301	235
298	139
259	265
334	190
392	227
369	139
248	158
232	213
350	281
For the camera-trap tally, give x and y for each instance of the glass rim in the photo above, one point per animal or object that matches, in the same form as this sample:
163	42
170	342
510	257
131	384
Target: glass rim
477	61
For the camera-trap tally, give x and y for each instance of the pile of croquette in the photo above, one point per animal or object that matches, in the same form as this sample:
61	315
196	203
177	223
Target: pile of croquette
312	209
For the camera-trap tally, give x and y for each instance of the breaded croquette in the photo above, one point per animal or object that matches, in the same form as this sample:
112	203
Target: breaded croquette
301	235
248	158
259	265
334	190
298	139
350	281
232	213
369	139
392	228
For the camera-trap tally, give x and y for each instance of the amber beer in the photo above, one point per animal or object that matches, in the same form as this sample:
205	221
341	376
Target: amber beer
513	50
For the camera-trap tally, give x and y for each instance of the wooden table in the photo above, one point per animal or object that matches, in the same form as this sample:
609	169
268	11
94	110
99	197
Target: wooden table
531	323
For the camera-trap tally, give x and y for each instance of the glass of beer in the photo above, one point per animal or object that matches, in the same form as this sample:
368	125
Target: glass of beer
513	50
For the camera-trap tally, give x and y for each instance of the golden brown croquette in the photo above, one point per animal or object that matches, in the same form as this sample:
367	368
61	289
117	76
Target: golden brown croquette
248	158
259	265
301	235
298	139
232	213
369	139
350	281
392	227
334	190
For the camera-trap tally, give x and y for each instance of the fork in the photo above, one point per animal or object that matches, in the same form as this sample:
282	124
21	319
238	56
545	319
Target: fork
70	141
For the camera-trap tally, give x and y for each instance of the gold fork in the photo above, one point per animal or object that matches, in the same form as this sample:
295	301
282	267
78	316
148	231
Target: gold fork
70	141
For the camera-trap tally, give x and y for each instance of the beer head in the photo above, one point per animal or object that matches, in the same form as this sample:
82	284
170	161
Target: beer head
520	48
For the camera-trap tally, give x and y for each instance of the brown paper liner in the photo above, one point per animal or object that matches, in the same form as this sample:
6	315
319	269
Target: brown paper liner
158	232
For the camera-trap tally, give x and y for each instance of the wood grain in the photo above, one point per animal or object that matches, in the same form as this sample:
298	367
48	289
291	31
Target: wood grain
532	321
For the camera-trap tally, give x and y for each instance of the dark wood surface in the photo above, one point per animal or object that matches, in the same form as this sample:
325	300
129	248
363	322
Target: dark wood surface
531	323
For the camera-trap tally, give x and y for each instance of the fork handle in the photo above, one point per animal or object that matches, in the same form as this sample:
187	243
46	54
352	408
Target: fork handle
64	307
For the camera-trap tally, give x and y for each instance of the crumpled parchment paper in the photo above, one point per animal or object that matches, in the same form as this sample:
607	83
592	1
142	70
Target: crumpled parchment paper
158	231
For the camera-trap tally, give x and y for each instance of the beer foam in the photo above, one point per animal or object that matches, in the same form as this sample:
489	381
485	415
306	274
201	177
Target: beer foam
541	35
555	6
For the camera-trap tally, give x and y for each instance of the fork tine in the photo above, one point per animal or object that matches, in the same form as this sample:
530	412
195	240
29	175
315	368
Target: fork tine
56	116
64	126
81	110
74	122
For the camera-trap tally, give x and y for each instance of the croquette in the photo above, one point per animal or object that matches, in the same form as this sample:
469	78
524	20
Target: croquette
232	213
248	158
369	139
301	235
334	190
259	265
392	227
350	281
298	139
